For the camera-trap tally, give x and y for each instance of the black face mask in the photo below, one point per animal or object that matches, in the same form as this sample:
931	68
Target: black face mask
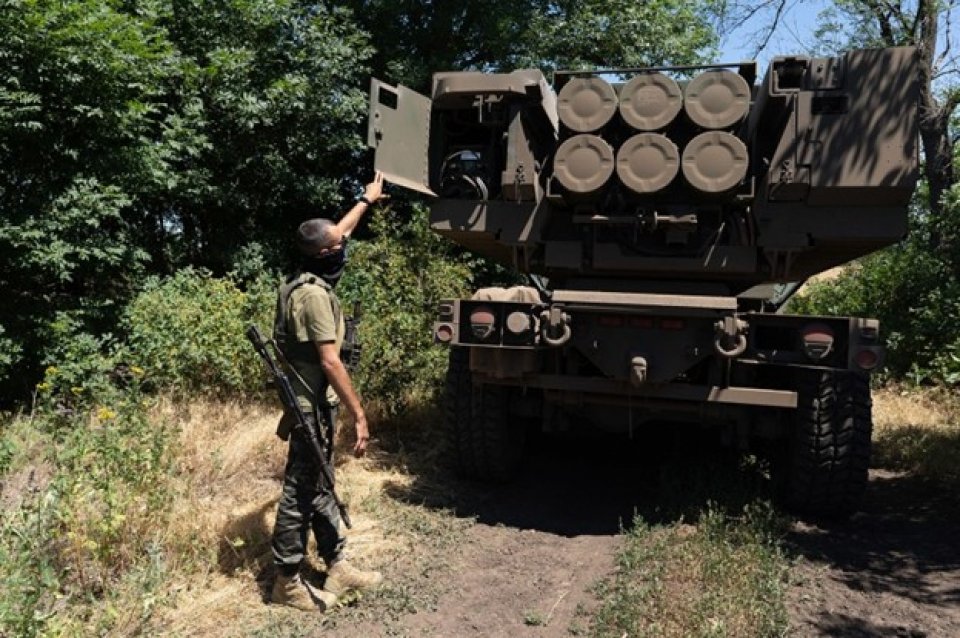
328	267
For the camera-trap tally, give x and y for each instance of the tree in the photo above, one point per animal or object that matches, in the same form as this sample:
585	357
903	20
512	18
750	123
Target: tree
141	136
619	33
415	39
80	101
275	91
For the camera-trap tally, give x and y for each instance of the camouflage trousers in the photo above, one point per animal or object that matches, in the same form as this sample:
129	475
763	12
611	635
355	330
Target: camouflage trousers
306	503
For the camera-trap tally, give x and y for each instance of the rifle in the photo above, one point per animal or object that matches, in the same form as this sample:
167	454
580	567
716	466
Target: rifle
351	348
304	425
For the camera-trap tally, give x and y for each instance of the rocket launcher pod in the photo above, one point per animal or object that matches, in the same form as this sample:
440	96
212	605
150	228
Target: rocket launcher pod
758	181
650	101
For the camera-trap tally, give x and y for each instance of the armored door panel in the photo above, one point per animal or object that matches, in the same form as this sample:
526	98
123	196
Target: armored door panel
399	130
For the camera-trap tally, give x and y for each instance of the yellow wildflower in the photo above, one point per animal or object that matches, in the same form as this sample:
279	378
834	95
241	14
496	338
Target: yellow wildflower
105	413
43	387
137	371
50	371
76	390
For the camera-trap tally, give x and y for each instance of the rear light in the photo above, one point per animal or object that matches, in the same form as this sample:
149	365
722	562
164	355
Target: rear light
817	341
610	321
445	311
867	359
482	322
443	333
519	323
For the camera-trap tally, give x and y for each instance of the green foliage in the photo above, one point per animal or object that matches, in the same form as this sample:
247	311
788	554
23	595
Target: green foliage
70	129
277	95
11	351
87	523
79	368
26	566
141	136
398	277
726	576
611	33
187	331
914	292
928	451
514	34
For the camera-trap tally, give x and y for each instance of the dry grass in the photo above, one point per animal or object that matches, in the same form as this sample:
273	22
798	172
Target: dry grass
228	479
825	276
918	430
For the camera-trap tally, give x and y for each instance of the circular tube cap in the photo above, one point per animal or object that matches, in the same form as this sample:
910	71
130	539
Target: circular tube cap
647	162
715	162
716	99
585	105
650	101
583	163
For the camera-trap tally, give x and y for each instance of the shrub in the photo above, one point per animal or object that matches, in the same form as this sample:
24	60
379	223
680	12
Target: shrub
398	277
84	519
187	331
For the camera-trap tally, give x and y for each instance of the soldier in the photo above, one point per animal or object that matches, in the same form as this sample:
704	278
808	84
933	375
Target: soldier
309	328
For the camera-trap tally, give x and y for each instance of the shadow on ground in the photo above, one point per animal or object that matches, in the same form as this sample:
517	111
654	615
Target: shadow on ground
594	485
893	569
245	545
899	551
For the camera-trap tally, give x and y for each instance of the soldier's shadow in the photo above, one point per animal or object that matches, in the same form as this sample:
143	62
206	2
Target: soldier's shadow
244	546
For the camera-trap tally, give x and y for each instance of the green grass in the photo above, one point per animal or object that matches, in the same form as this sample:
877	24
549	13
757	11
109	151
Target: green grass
724	576
705	558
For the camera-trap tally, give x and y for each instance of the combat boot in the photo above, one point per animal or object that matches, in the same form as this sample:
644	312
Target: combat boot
342	576
293	592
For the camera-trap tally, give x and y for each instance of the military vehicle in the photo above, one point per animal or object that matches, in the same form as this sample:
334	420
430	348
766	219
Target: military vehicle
663	216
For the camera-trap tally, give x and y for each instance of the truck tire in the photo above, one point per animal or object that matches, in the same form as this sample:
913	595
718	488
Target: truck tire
484	442
828	453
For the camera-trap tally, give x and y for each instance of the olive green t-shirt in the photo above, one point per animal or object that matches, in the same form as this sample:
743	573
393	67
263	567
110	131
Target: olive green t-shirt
313	314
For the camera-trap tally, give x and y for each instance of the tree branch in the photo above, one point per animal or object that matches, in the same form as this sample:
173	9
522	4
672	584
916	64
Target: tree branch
773	27
882	12
950	103
947	67
942	59
745	17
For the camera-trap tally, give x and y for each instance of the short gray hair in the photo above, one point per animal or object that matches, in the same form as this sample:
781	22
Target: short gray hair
314	234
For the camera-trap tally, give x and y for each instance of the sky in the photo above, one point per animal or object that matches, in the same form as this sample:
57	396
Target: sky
793	35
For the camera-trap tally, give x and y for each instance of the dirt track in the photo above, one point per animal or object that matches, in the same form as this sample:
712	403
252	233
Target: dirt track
892	570
528	564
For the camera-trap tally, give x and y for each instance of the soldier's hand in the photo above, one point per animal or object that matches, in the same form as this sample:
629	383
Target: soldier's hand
363	436
374	190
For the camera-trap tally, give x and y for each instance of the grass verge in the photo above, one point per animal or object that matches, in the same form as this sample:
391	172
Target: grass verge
706	561
918	431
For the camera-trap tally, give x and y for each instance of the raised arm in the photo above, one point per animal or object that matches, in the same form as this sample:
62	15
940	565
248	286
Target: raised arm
371	194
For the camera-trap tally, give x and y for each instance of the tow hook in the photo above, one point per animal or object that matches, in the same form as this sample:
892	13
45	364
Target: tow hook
555	327
731	339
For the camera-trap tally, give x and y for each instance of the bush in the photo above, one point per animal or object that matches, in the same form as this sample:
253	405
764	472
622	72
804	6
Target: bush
398	277
82	522
187	331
